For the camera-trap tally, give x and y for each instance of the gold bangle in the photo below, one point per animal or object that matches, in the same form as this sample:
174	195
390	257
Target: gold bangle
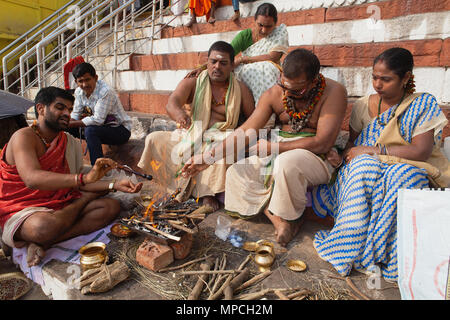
76	181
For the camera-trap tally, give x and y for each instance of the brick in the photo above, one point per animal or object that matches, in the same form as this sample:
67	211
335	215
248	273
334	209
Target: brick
178	61
444	59
182	248
149	103
388	9
154	256
426	53
289	18
125	100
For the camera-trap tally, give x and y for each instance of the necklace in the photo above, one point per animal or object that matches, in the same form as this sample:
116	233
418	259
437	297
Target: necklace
222	101
392	113
38	133
298	120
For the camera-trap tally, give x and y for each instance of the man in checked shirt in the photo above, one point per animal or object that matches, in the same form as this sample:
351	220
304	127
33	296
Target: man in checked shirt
98	111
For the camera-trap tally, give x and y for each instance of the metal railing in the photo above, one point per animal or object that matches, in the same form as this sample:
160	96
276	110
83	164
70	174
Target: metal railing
14	50
85	34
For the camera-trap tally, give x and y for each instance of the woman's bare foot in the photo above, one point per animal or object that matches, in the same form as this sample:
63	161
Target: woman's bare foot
235	16
285	230
210	201
35	254
212	20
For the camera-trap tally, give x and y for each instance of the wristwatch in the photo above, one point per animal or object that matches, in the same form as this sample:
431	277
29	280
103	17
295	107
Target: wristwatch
111	186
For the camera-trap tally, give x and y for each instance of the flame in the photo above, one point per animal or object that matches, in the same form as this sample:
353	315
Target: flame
196	200
149	211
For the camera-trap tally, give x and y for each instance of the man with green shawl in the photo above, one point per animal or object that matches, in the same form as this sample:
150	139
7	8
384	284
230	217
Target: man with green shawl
216	100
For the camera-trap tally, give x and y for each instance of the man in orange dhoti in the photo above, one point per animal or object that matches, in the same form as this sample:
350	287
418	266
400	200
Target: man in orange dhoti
200	8
44	199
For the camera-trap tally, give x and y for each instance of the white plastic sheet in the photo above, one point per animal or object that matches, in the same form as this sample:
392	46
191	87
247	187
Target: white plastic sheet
423	224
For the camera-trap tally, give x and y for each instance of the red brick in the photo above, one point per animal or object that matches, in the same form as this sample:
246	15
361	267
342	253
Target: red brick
388	9
154	256
182	248
444	59
289	18
426	53
149	103
125	100
178	61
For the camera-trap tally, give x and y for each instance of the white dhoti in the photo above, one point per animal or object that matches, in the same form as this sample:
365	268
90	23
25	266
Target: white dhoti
279	182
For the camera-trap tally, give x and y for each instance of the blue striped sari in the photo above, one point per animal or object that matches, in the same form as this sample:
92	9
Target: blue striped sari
363	199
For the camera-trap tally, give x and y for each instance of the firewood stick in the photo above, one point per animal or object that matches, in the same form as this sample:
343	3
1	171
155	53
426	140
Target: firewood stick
201	210
198	288
351	285
188	273
303	292
253	280
280	295
247	259
219	292
165	234
219	277
87	281
180	227
213	277
184	264
260	294
236	282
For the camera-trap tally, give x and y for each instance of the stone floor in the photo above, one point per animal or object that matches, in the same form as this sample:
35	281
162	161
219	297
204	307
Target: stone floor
319	276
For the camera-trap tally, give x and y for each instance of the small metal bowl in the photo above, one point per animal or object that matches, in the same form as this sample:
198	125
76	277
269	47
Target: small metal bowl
296	265
250	246
120	230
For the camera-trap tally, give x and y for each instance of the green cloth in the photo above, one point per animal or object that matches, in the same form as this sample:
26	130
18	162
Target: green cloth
242	41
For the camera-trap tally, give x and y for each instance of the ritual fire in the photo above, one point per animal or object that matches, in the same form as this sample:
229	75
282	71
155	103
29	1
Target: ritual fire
166	218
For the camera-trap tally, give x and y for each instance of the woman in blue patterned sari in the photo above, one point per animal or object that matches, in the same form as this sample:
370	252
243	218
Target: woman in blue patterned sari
394	123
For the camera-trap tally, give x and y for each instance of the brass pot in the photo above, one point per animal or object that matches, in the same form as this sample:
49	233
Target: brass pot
93	255
264	257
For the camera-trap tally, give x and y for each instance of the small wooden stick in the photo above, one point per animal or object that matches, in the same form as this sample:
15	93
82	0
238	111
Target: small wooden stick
303	292
184	264
253	280
165	234
260	294
280	295
351	285
198	288
247	259
219	277
201	211
187	273
216	267
180	227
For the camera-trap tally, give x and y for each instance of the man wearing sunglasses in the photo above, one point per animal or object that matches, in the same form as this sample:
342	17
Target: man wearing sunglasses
309	110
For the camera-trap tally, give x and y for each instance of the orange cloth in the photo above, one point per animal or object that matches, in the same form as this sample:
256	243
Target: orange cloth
201	7
15	195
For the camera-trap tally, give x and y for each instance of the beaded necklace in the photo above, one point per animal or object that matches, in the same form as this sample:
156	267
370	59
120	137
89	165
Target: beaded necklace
38	133
298	120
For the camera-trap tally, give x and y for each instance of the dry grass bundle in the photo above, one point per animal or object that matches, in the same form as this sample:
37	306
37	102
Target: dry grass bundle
324	291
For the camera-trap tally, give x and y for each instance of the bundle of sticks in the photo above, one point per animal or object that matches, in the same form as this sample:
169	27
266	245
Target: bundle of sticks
168	218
